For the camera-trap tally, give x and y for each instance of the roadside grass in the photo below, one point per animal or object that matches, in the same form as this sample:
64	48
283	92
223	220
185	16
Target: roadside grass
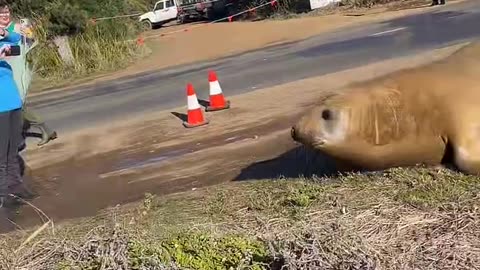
105	46
411	218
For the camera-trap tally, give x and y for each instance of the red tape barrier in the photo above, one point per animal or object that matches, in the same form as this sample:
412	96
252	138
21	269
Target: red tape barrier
94	20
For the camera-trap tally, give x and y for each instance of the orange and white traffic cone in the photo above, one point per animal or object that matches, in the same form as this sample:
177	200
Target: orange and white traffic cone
217	100
195	115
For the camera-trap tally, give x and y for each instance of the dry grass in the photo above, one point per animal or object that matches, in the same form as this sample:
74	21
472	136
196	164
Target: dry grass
414	218
103	47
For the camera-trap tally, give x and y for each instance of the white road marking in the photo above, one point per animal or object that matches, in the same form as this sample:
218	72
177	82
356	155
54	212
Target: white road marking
387	32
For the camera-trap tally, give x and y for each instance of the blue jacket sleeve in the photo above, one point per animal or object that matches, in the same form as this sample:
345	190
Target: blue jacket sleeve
12	37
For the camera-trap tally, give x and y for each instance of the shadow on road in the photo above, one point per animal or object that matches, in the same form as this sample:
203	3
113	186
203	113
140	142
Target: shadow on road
298	162
180	116
203	103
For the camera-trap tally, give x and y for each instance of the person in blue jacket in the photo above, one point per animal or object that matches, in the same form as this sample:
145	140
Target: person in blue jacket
10	121
23	74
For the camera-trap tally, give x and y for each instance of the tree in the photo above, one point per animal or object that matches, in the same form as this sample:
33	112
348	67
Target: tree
65	19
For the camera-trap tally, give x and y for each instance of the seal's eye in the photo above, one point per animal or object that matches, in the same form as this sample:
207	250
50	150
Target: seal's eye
326	114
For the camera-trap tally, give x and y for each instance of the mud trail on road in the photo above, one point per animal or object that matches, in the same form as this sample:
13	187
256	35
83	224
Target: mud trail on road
168	161
102	167
76	188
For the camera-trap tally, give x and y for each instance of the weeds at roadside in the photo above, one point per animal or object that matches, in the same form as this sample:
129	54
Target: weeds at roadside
435	189
103	47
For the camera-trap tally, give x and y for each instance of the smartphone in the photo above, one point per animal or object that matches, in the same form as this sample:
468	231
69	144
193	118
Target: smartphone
14	51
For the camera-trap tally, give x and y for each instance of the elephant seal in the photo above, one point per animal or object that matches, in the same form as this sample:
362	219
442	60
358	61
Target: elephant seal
425	115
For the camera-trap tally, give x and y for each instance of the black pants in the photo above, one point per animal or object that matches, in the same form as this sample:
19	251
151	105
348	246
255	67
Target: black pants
10	137
437	2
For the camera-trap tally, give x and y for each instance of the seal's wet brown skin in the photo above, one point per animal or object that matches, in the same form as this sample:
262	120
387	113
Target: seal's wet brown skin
405	118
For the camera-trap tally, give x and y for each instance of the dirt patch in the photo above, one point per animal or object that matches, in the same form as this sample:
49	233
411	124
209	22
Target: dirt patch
156	154
213	41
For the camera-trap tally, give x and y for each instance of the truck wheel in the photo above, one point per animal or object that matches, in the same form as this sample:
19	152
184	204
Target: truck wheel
181	19
147	25
210	14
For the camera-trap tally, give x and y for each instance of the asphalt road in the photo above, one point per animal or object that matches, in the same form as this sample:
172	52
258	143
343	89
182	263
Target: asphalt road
330	52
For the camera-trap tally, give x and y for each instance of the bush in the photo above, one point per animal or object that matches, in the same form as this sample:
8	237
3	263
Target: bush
65	19
102	46
68	17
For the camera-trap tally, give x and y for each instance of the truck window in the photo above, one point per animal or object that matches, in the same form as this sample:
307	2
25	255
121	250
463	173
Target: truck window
159	6
170	3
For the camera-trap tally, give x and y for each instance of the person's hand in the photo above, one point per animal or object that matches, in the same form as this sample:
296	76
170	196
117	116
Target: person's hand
4	50
23	30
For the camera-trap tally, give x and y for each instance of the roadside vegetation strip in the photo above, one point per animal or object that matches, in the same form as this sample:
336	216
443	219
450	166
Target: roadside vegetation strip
414	218
99	47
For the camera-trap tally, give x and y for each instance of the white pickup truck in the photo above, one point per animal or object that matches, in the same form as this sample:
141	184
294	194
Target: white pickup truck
164	11
186	10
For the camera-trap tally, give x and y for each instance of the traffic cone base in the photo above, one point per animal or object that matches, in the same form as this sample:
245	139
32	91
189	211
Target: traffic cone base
218	108
198	124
